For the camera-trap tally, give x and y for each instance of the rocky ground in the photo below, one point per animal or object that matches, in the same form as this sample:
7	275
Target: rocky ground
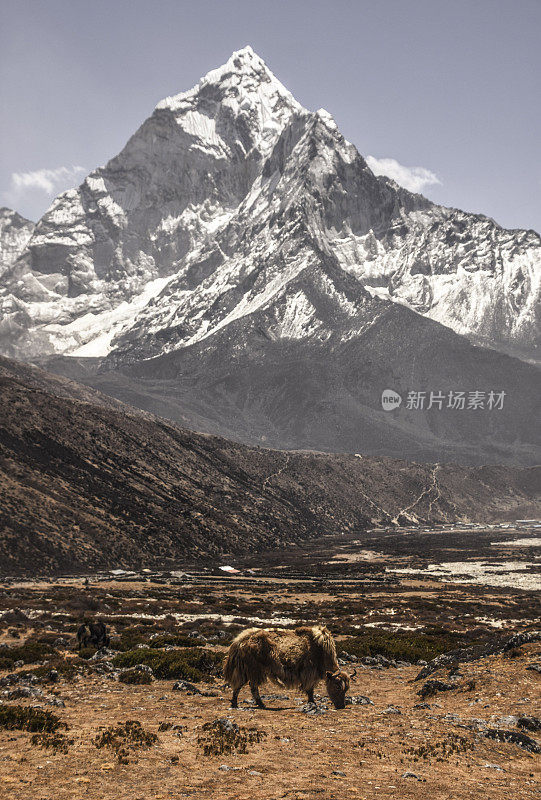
471	728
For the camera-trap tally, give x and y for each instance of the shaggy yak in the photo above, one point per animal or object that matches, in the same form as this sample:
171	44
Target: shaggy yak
95	634
292	658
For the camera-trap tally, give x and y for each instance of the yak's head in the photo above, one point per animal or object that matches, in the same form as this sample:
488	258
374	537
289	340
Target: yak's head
337	685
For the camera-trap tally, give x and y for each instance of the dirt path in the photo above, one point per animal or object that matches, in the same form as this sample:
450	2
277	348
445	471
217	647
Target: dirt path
275	474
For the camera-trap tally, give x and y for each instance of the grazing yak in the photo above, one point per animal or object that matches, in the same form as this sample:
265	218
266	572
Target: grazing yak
297	658
95	634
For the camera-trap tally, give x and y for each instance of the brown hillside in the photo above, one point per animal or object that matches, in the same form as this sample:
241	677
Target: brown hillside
87	485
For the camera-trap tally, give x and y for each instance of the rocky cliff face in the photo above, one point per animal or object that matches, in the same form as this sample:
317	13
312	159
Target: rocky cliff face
15	231
220	204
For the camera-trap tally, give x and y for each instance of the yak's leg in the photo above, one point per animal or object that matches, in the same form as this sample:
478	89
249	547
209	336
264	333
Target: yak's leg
310	693
254	688
235	697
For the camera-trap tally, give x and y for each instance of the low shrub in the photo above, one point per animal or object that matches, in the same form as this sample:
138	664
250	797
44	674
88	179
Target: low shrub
223	737
85	603
442	749
190	663
124	736
48	638
129	638
87	652
173	640
30	653
400	645
135	677
29	719
57	742
67	668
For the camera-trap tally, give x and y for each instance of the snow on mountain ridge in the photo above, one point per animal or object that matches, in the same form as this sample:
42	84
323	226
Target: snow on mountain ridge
248	91
243	70
216	208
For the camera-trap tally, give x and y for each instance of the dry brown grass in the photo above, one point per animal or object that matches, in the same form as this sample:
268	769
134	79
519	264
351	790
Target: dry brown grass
297	756
360	752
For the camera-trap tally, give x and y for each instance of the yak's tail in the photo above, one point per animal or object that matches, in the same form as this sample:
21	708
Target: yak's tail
234	662
229	667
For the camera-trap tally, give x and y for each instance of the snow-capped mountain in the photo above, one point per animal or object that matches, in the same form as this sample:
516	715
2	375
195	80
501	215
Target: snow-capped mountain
219	204
15	231
239	269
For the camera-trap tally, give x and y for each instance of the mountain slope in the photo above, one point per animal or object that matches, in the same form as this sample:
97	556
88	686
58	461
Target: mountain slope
88	486
327	395
172	237
103	251
15	231
244	383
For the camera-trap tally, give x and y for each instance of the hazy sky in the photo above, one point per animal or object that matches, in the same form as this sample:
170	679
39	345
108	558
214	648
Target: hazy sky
450	87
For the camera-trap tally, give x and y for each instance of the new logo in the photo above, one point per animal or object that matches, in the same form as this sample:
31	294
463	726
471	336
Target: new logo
390	400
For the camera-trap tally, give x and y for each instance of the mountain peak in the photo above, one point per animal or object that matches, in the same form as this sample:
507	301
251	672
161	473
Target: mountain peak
238	105
244	62
246	56
243	74
11	213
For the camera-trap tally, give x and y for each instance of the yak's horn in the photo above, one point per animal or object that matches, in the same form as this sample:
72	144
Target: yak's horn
353	673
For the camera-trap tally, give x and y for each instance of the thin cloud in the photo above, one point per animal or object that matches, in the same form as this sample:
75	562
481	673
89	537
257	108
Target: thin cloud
415	179
49	181
31	192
